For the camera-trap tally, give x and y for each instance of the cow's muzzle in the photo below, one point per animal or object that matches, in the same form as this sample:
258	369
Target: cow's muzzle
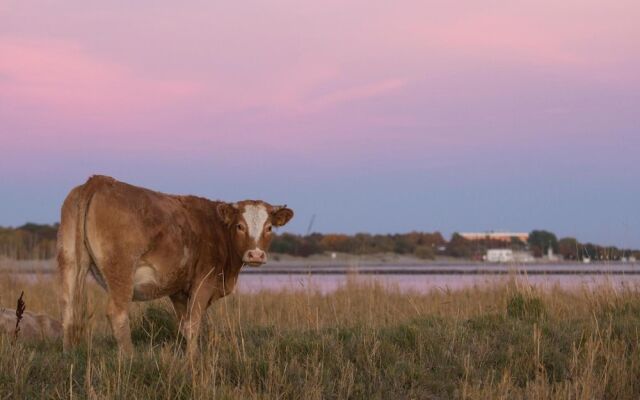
254	258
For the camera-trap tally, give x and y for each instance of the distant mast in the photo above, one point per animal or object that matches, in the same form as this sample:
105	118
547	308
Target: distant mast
313	219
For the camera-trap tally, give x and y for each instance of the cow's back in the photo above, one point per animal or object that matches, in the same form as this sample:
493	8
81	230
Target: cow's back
127	213
124	223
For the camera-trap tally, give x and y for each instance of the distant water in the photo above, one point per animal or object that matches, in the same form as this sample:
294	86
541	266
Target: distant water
425	283
424	278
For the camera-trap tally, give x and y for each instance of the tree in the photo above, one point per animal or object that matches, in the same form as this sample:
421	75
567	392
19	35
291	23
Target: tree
568	248
402	244
516	244
459	247
286	243
540	241
425	252
336	242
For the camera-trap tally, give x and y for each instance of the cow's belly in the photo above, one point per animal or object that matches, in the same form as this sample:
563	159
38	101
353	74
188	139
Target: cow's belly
146	285
160	274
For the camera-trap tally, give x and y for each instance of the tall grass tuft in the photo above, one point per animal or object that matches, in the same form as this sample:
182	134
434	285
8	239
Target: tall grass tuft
20	308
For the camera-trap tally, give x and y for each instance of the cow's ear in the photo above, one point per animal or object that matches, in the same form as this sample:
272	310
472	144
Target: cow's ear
227	212
281	215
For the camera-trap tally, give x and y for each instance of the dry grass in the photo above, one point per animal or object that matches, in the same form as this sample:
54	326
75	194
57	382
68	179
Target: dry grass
363	341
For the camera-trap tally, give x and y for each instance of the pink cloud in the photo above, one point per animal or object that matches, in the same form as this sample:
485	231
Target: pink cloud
504	37
353	93
567	46
291	75
280	90
59	76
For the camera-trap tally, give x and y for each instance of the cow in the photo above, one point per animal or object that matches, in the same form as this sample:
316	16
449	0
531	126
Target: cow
140	245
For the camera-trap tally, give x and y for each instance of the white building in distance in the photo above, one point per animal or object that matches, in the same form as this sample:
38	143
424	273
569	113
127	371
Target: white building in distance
501	236
499	255
508	255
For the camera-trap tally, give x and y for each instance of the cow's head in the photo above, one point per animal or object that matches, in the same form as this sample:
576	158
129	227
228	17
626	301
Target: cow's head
250	224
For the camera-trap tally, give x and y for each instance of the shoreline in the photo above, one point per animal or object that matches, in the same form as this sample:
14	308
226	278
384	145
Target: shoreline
301	266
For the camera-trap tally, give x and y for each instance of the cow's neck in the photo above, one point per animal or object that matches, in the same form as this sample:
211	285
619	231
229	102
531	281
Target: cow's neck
221	255
226	256
230	265
234	262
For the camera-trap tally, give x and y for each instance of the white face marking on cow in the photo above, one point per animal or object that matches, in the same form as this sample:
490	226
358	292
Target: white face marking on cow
255	217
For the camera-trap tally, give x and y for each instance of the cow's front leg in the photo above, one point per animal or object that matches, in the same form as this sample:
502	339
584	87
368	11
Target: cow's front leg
180	302
199	301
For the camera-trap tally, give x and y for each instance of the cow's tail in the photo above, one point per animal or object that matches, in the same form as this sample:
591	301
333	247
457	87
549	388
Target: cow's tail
74	262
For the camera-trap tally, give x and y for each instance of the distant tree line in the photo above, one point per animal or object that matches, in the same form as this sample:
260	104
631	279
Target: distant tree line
28	242
571	249
538	244
430	245
34	241
419	244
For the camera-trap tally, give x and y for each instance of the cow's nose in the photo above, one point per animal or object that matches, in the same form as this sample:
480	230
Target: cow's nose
256	255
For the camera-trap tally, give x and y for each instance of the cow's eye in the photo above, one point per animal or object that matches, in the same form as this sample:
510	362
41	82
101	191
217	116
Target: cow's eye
240	227
269	228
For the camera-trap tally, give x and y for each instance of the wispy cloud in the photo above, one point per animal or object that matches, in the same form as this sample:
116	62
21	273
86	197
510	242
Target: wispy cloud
60	76
353	93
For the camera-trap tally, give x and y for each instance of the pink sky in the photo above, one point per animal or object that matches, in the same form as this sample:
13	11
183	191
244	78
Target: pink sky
325	91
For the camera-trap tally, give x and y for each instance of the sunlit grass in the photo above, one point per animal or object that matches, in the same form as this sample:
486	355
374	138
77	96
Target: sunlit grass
363	341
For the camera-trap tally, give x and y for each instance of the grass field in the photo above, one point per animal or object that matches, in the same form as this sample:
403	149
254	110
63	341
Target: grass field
363	341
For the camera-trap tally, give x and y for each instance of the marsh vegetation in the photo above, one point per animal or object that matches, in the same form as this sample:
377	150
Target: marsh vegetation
361	341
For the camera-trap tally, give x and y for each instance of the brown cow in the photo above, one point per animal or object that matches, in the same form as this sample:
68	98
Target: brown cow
141	245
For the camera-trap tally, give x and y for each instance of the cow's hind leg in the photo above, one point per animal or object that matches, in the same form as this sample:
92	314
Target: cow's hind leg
73	274
118	312
119	279
73	264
